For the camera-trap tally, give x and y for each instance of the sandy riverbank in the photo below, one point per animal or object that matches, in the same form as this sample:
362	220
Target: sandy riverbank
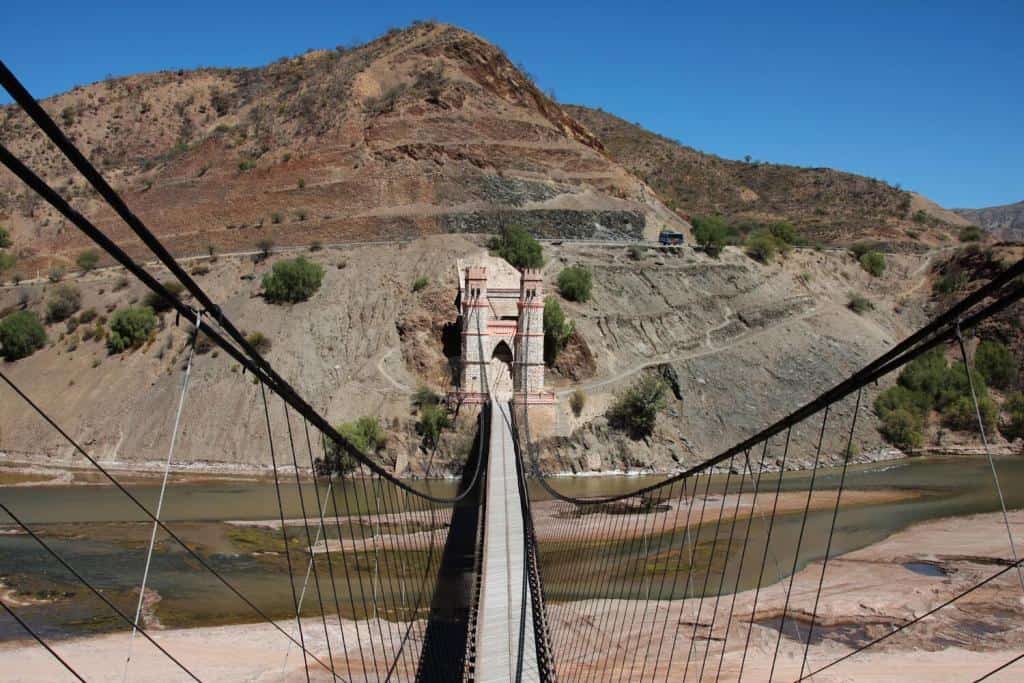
865	594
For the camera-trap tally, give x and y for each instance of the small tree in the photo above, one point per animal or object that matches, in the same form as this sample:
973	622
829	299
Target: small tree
575	283
873	262
64	302
425	396
21	335
961	414
902	428
5	238
433	420
784	232
577	399
972	233
365	433
88	259
859	304
711	233
557	329
996	364
636	410
518	247
1014	407
762	246
292	281
130	327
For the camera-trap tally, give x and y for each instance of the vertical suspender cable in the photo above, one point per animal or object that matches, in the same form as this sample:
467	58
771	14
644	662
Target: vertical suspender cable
163	490
988	453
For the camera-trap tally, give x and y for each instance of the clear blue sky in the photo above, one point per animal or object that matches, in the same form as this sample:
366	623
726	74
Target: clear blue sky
925	94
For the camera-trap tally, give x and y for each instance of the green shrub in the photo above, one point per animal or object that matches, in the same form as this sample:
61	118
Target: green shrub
577	399
259	341
5	238
21	335
265	246
920	216
275	217
420	283
762	246
557	329
1014	407
637	252
518	247
902	428
246	165
7	260
56	274
996	364
433	420
292	280
637	408
859	304
575	283
365	433
425	396
972	233
960	414
130	327
64	302
860	248
949	283
711	233
873	262
87	316
88	259
160	304
784	232
901	398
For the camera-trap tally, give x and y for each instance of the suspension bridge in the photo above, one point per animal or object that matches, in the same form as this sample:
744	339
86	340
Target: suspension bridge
509	577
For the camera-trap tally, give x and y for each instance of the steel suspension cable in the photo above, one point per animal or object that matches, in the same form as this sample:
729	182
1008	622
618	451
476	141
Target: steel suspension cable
163	490
98	593
832	528
163	527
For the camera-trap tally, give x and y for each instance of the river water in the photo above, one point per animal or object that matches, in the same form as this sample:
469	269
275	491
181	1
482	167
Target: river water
100	533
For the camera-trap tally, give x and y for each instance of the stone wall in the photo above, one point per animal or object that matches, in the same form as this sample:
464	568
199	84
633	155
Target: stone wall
550	223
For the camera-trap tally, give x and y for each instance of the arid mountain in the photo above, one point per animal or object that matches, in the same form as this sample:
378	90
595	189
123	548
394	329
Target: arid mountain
429	129
1006	222
827	205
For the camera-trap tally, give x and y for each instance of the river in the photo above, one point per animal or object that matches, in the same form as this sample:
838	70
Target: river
100	533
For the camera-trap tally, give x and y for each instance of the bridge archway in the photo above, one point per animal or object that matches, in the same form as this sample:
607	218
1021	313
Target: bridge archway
499	371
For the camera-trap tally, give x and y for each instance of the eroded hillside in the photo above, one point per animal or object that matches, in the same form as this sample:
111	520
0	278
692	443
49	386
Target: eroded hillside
742	343
430	129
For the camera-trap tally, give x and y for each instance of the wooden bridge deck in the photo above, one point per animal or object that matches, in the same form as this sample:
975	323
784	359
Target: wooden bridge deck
504	580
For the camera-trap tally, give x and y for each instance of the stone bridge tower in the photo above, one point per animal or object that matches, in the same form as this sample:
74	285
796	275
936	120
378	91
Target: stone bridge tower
502	316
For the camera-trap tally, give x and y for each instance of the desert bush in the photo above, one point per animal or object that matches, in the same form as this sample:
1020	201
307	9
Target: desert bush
21	335
577	399
996	364
5	238
711	233
130	327
420	283
7	260
56	274
157	302
264	246
575	283
302	183
859	304
433	420
762	246
246	165
785	233
902	428
1014	407
960	414
292	281
637	408
858	249
557	329
64	302
873	262
88	259
637	252
316	245
87	316
259	341
972	233
518	247
275	217
425	396
920	216
365	433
